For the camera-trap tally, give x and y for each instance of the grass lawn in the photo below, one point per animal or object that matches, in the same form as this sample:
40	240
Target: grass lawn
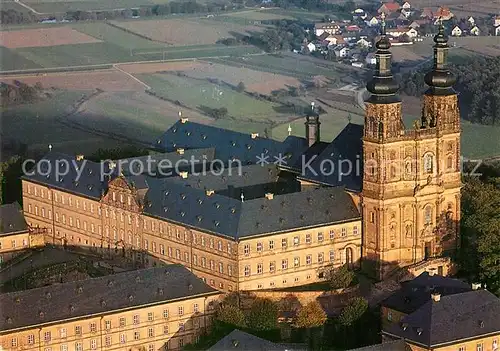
259	15
196	93
107	33
292	65
203	51
36	125
11	60
84	5
77	54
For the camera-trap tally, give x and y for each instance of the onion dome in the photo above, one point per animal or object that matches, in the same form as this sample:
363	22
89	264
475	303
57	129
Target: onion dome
383	86
440	79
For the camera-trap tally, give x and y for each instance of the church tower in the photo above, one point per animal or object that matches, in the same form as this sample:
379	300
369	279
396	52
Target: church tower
411	180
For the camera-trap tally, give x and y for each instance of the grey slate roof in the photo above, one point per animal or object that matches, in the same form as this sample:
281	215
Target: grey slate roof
98	295
230	217
12	219
89	183
347	146
239	340
247	176
454	317
229	144
417	292
394	345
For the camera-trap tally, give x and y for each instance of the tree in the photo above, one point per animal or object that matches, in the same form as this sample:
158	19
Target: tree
479	257
354	310
231	314
263	315
311	315
10	180
240	87
341	277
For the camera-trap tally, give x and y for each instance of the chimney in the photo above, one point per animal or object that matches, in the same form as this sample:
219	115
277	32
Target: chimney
476	286
255	135
183	174
79	157
180	151
436	297
184	120
269	196
209	192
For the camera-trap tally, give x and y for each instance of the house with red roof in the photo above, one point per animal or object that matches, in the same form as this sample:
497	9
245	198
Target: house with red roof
444	13
389	7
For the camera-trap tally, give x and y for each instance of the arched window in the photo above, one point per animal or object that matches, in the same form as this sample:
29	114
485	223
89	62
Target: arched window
428	215
393	172
428	163
380	130
449	162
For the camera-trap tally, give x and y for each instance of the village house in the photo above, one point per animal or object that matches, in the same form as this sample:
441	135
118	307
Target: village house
475	31
427	13
471	21
406	13
332	39
497	31
14	232
406	5
359	14
456	31
340	51
331	28
399	31
373	22
389	7
443	13
496	22
357	64
363	43
311	47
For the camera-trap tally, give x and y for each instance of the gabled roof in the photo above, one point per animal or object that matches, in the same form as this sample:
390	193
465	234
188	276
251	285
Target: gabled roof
454	317
228	144
415	293
394	345
239	340
391	6
347	146
99	296
12	219
235	219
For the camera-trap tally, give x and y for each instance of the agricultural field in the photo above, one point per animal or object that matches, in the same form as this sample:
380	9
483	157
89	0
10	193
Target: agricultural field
11	60
185	31
301	67
255	81
201	94
259	15
37	125
57	6
106	80
132	114
43	37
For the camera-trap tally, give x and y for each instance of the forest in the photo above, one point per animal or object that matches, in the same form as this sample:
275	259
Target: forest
477	84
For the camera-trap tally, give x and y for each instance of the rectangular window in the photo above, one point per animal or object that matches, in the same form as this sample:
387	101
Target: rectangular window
296	241
165	314
13	342
296	262
246	249
122	322
272	267
284	264
165	329
107	340
151	347
79	346
332	234
150	332
309	259
271	244
479	347
47	336
181	327
195	308
136	319
229	270
332	255
320	237
308	238
229	248
137	335
93	327
78	330
150	316
211	243
31	339
284	243
93	344
221	267
178	254
154	247
259	268
344	231
259	247
355	230
247	271
320	257
180	310
62	333
64	347
123	339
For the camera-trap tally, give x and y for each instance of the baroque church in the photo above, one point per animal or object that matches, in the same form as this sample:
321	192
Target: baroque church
284	223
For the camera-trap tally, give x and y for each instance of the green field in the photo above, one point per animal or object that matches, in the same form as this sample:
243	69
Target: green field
196	93
110	34
37	126
86	5
293	65
11	60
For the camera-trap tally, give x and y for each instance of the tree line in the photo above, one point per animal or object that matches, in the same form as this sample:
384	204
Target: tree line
477	83
19	93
